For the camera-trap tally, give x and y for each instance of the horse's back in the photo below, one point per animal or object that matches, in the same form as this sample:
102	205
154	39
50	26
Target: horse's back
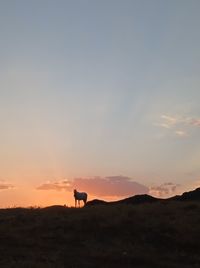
82	196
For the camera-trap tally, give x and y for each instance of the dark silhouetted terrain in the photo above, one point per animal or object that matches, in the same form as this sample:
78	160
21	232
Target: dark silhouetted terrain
145	198
188	196
133	200
163	234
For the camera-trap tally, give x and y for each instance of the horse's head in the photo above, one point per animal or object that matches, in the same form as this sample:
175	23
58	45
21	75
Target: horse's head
75	191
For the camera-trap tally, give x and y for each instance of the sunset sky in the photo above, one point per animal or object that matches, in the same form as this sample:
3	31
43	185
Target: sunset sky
98	95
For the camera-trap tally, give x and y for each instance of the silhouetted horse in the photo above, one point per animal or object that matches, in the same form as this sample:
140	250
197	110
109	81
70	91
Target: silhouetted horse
80	196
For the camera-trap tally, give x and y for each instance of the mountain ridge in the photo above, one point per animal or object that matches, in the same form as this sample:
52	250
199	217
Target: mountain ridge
193	195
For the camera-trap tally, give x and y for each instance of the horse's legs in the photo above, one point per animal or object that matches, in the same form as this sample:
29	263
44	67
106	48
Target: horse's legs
79	202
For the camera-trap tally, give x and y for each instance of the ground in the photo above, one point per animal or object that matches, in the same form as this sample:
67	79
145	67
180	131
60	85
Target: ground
149	235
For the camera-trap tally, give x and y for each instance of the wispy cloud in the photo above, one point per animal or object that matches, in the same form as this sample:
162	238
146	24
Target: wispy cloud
195	122
169	121
181	133
180	120
179	125
164	125
163	190
57	186
99	186
5	186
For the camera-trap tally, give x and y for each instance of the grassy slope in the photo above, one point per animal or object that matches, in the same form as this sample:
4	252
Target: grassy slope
150	235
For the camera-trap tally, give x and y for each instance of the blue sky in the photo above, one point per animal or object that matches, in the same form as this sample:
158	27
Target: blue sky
100	88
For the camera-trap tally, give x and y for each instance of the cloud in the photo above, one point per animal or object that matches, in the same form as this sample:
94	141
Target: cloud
179	125
169	121
111	186
195	122
5	186
181	133
173	121
51	186
164	125
57	186
99	186
164	190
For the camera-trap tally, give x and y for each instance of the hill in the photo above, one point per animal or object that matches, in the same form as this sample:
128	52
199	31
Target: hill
142	199
188	196
134	200
152	234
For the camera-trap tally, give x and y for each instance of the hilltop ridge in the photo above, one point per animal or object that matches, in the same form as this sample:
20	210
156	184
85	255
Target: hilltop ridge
193	195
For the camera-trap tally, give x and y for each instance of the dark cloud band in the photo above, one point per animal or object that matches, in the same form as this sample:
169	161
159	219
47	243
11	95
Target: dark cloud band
99	186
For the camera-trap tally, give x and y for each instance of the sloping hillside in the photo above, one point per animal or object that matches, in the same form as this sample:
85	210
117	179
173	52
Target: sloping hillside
142	199
134	200
188	196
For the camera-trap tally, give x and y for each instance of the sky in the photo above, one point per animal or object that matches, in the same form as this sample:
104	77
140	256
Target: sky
101	95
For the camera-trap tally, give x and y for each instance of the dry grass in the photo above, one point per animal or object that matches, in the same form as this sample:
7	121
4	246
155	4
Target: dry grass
150	235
